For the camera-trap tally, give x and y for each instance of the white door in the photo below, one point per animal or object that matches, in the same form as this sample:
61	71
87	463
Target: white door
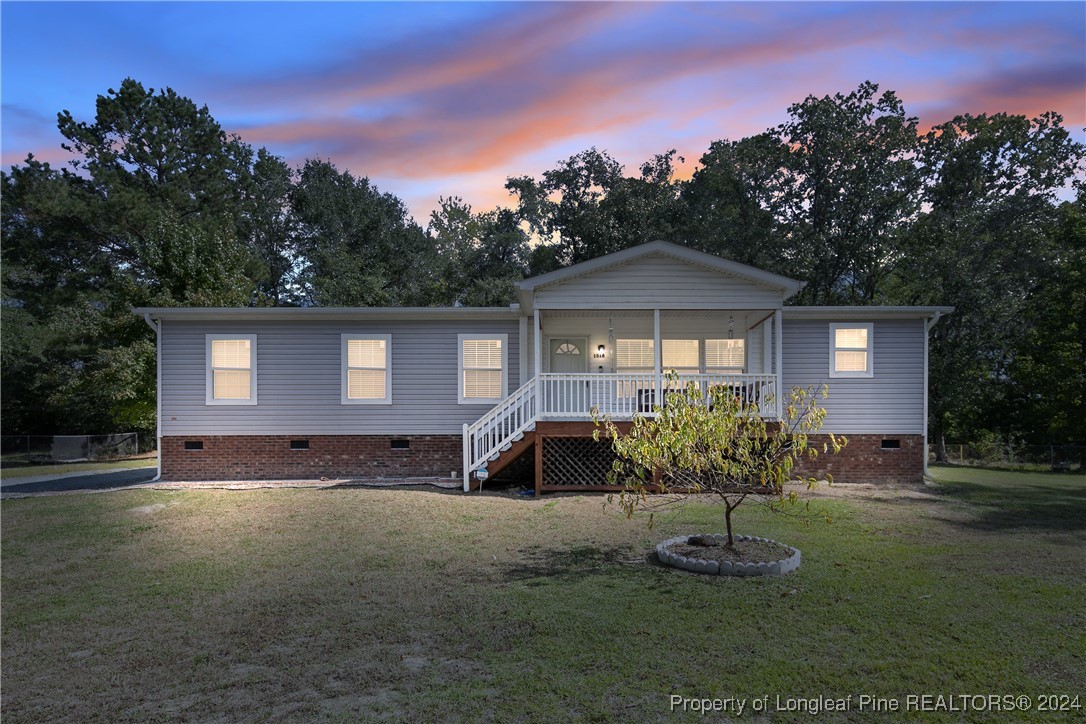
568	355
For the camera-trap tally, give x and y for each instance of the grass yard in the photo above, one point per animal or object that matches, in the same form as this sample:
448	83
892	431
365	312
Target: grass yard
357	603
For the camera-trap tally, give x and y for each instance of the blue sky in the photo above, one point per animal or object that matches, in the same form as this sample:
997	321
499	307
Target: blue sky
432	99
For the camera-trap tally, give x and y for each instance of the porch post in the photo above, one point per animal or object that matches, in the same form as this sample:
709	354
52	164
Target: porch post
467	459
522	331
777	316
537	355
658	356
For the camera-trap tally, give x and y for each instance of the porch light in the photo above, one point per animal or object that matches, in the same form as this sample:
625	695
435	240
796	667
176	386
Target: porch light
601	349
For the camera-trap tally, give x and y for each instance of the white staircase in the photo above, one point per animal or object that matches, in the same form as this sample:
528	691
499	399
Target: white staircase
497	431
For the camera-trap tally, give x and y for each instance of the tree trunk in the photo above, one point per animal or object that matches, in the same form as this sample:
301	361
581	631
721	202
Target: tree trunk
940	442
728	520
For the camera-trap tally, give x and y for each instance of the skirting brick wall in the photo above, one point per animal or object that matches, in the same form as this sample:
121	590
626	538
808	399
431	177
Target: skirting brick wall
864	460
269	457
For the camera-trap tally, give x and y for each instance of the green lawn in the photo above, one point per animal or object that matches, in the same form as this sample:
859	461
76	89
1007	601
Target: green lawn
354	603
35	470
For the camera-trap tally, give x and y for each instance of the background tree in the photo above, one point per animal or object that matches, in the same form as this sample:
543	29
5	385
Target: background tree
150	218
586	207
849	189
731	205
359	247
269	225
1046	376
480	255
983	246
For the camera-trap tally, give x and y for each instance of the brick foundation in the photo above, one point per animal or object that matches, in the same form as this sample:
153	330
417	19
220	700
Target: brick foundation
864	460
270	457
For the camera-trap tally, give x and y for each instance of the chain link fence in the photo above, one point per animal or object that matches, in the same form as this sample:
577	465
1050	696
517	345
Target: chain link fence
1058	458
21	450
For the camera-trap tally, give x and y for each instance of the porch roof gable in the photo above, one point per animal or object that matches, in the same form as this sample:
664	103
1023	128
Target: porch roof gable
725	267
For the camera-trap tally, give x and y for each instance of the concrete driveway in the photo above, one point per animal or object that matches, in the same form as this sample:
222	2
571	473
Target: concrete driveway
97	480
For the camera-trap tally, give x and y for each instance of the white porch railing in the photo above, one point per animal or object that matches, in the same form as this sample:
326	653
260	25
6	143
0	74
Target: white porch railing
559	396
622	396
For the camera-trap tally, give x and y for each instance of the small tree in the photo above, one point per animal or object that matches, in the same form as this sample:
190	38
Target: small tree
716	442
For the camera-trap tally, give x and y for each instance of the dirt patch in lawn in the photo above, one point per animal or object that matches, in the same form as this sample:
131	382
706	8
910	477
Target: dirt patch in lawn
743	551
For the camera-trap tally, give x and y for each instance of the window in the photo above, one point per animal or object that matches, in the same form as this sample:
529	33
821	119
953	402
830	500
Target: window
681	355
851	351
725	356
635	355
366	379
482	363
231	369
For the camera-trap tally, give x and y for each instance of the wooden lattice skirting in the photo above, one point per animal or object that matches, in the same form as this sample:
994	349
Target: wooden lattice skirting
569	461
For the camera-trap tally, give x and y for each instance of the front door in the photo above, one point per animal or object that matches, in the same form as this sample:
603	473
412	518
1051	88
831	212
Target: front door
568	355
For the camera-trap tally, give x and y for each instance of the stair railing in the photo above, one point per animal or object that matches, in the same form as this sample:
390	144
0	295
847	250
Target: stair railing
485	438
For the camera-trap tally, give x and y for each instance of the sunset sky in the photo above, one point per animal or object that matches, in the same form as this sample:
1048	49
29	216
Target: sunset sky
445	99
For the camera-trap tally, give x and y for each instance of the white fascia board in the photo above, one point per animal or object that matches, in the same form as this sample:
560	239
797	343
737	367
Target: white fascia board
250	314
860	313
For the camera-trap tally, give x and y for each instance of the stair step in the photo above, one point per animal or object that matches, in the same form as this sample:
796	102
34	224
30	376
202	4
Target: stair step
506	446
530	428
493	457
518	437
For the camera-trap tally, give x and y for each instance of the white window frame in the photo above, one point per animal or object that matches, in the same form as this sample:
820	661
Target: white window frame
209	386
344	358
870	327
460	339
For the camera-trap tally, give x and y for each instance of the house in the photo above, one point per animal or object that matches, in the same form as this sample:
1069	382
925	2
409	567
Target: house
475	393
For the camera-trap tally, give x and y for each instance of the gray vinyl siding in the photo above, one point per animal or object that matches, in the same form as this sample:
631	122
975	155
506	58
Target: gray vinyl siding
890	402
658	281
298	379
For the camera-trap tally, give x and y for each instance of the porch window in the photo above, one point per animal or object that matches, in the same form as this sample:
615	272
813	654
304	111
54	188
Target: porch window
483	368
725	356
365	375
851	353
682	356
635	355
231	374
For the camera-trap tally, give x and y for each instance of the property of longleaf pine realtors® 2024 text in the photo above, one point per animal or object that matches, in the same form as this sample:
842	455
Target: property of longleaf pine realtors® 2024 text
950	703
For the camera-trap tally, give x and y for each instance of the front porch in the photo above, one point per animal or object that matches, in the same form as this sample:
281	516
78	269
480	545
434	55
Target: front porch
582	364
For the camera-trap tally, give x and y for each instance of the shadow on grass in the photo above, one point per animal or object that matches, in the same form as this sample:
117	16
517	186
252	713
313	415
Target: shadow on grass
1005	507
544	563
